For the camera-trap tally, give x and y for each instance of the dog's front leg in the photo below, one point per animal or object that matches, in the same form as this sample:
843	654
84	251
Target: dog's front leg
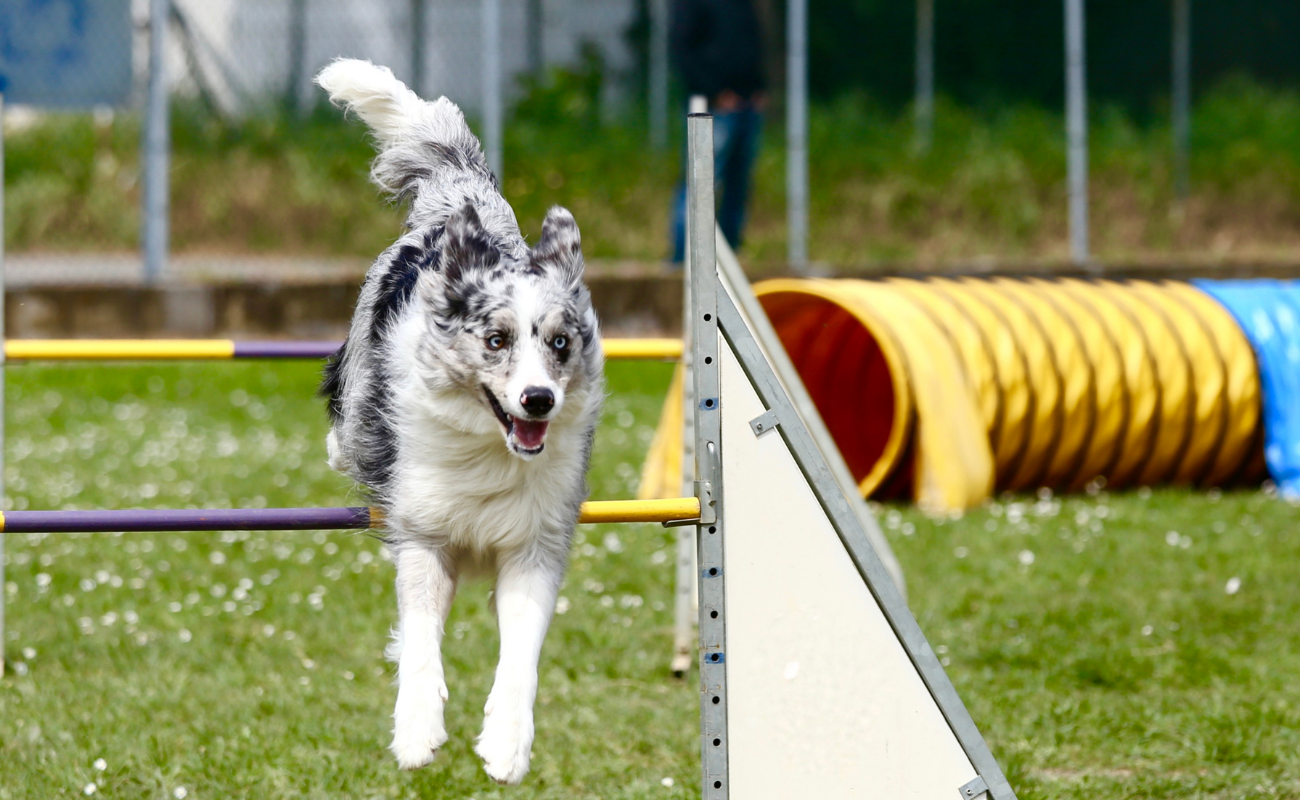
525	598
426	583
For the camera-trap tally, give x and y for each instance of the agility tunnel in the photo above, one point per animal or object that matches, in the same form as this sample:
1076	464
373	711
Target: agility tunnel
948	390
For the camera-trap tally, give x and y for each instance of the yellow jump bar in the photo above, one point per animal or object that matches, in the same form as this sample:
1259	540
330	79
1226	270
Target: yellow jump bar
673	510
206	349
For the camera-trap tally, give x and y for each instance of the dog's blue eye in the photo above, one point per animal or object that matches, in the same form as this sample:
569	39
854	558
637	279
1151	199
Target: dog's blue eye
559	343
496	341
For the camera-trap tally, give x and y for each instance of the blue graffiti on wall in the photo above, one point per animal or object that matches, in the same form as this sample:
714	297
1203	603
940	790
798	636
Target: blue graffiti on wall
66	52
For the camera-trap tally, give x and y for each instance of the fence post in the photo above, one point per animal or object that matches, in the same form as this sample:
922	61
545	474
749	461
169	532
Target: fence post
418	9
492	84
535	32
297	54
796	131
156	146
1182	97
924	75
658	73
1076	102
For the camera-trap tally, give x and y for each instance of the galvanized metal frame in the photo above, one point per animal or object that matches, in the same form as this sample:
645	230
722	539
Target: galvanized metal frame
704	294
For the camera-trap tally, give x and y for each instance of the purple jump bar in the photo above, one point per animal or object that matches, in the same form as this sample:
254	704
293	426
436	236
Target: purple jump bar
166	519
272	349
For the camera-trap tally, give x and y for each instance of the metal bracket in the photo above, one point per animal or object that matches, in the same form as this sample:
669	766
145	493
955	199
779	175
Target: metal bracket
764	422
974	789
708	510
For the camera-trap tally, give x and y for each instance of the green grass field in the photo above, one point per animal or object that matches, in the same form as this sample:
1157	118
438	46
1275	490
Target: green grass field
1142	645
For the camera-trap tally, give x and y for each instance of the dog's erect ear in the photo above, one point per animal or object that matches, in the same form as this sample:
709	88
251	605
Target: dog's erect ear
466	247
559	250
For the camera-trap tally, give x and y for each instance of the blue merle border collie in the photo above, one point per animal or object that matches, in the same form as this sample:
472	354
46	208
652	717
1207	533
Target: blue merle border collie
464	400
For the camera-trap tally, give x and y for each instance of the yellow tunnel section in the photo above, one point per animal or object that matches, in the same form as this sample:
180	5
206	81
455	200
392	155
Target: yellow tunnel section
946	390
1067	381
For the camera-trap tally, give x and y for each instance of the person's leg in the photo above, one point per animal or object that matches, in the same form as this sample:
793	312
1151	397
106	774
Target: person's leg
678	225
735	173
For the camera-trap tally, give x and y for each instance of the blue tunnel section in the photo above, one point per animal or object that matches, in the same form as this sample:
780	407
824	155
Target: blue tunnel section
1268	312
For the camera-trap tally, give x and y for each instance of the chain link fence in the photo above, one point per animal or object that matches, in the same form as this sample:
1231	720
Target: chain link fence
245	54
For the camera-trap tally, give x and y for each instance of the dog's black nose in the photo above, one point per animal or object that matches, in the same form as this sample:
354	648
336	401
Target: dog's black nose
537	400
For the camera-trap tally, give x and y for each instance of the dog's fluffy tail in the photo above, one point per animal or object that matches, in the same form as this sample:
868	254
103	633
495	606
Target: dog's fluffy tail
413	136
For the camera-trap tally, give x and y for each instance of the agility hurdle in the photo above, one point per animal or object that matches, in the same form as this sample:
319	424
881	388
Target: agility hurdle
229	349
300	519
815	679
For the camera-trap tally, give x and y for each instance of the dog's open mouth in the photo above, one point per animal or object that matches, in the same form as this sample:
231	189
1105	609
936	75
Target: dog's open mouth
528	435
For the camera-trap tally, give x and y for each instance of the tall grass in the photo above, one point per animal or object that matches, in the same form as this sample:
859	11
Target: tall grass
991	189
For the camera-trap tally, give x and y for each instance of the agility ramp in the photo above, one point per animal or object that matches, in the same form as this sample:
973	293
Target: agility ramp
816	680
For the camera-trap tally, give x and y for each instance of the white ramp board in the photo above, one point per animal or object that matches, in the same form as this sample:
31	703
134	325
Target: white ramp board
822	699
831	688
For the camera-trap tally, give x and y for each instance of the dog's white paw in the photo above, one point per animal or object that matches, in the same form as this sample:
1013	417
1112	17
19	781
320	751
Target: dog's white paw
418	729
506	746
413	752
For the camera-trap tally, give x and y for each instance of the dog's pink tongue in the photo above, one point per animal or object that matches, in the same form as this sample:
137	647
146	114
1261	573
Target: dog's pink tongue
530	433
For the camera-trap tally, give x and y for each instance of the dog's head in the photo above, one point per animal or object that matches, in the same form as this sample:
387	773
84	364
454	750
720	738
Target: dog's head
516	331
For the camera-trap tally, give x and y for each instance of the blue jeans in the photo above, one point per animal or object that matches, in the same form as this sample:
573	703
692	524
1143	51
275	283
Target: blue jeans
735	145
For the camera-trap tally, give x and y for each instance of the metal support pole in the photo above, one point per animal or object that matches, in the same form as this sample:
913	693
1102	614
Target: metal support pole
3	640
1182	97
796	132
156	148
701	227
418	16
492	84
535	31
1076	102
658	73
293	96
924	75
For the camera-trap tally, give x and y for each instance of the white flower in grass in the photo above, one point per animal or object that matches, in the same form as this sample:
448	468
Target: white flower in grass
562	605
90	789
1026	557
1233	585
181	793
101	764
185	635
668	782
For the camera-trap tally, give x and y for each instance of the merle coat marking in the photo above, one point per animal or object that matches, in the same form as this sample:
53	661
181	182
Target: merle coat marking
464	400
